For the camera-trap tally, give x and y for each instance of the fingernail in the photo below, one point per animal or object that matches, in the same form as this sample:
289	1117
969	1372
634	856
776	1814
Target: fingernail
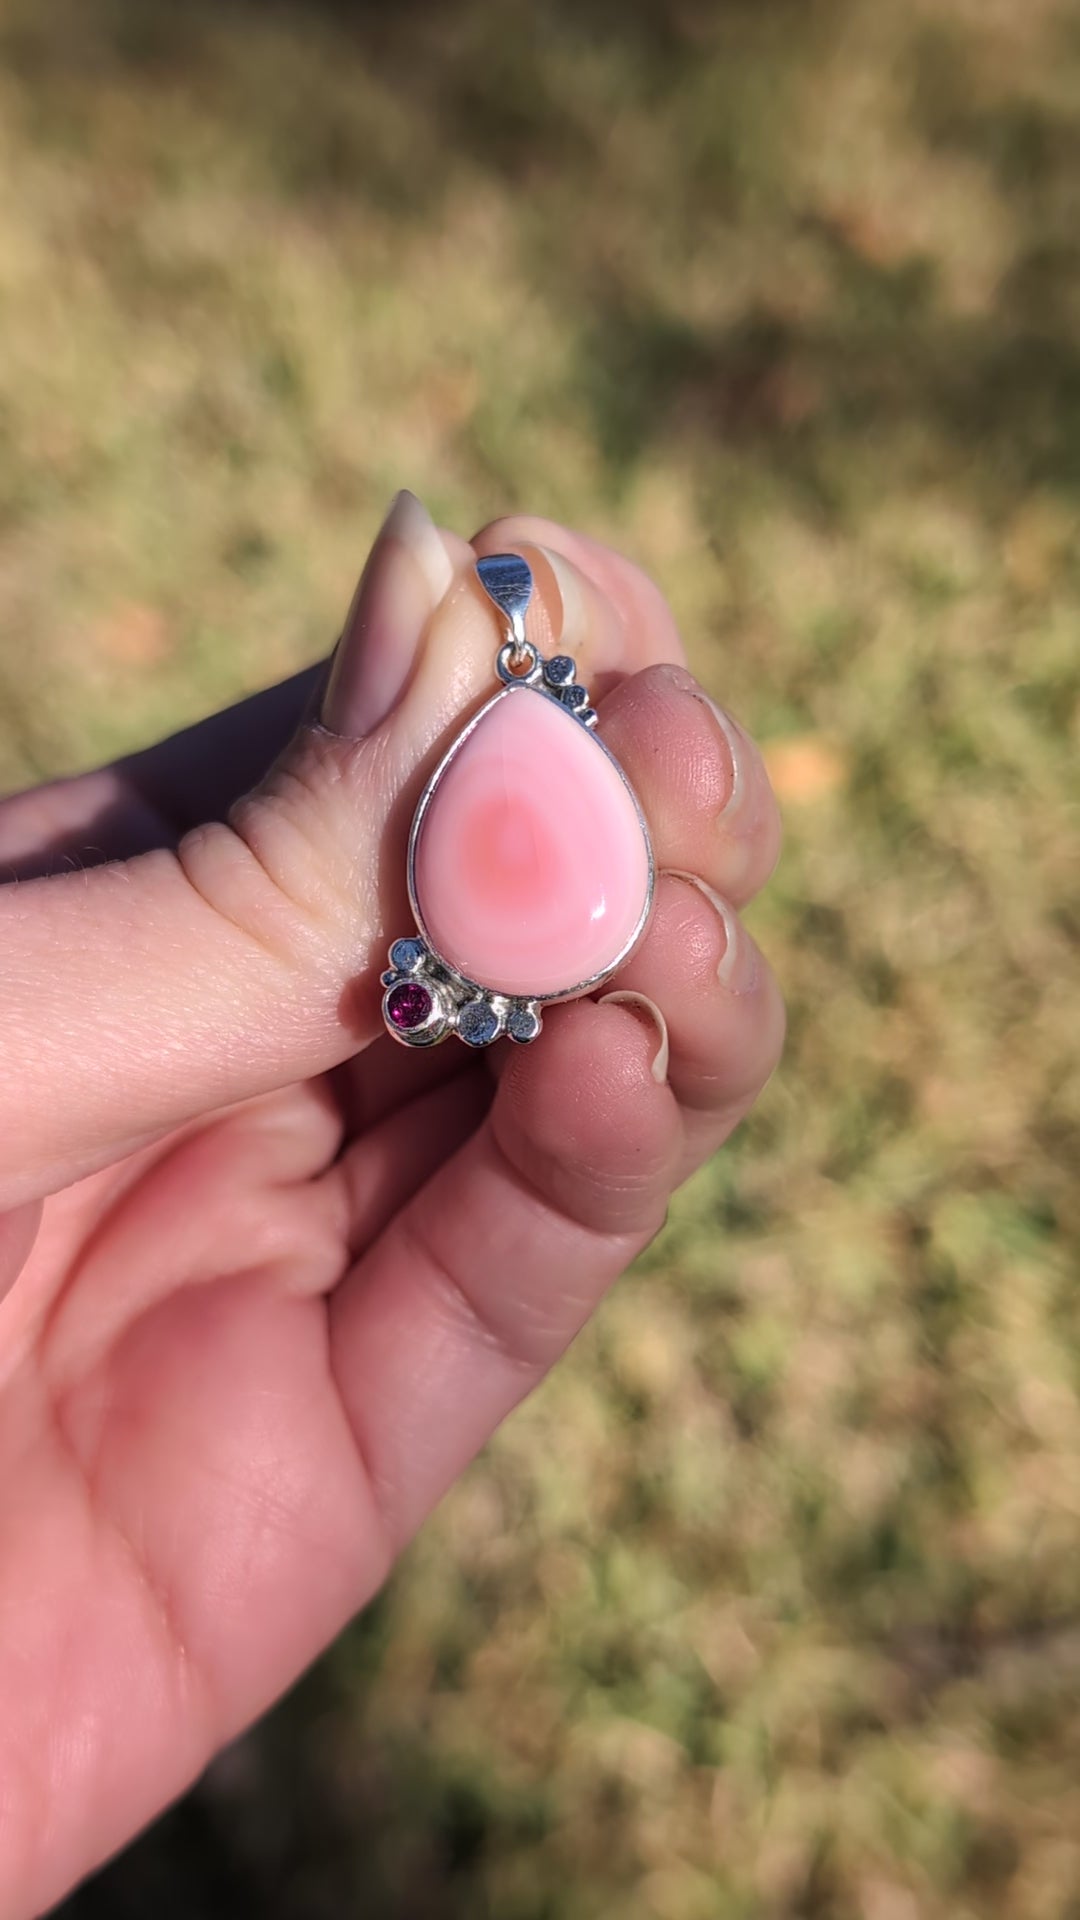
568	582
731	815
580	616
407	573
739	810
623	996
739	966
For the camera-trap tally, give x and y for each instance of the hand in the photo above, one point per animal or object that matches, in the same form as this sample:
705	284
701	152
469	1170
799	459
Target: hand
270	1280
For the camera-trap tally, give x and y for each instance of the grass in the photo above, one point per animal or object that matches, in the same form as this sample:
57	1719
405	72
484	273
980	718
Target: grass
769	1604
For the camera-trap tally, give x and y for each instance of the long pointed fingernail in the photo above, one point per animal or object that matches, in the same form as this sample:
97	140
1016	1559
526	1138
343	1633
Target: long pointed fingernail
407	573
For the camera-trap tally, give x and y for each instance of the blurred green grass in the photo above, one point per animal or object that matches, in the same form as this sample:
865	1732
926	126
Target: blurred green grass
769	1604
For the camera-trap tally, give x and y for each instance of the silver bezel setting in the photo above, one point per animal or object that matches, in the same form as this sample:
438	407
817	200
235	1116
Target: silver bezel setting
479	1014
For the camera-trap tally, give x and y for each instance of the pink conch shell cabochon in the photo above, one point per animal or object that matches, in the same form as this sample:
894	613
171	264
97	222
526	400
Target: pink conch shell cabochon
531	865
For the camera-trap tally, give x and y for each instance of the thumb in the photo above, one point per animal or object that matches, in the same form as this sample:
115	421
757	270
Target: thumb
144	993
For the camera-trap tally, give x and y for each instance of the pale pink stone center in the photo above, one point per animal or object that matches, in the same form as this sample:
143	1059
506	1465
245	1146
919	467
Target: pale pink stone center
532	870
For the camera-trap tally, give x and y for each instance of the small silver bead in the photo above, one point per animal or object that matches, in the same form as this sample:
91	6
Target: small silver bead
478	1023
560	671
522	1025
407	954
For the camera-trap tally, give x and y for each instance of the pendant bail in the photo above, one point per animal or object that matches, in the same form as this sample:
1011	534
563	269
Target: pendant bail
507	580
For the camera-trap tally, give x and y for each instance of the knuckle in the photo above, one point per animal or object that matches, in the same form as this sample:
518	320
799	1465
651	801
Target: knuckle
222	868
288	867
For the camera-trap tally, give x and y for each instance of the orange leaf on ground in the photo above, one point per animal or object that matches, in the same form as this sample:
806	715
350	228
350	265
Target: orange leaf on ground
133	635
804	768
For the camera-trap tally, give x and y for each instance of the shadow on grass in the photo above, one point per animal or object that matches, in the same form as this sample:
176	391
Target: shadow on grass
381	1828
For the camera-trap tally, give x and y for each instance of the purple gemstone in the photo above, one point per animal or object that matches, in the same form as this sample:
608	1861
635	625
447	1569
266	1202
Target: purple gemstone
408	1005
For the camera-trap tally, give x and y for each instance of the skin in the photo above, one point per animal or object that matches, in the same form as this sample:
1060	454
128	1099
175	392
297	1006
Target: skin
270	1281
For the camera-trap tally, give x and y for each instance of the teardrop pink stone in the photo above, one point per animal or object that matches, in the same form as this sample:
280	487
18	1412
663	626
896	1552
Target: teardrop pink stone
531	869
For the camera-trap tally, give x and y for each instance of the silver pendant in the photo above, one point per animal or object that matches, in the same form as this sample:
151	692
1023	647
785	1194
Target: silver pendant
530	869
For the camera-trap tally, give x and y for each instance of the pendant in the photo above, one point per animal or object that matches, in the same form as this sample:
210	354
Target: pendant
530	869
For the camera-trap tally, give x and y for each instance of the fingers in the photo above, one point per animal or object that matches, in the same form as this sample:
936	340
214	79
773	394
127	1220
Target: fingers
137	996
485	1277
609	610
18	1231
708	984
482	1281
602	605
393	1158
386	1077
700	778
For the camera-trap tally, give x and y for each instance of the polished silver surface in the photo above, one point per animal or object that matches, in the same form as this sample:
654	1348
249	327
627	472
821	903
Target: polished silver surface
523	664
477	1015
560	670
507	580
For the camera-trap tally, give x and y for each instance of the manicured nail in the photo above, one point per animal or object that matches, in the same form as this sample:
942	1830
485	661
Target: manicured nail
407	573
623	996
739	966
